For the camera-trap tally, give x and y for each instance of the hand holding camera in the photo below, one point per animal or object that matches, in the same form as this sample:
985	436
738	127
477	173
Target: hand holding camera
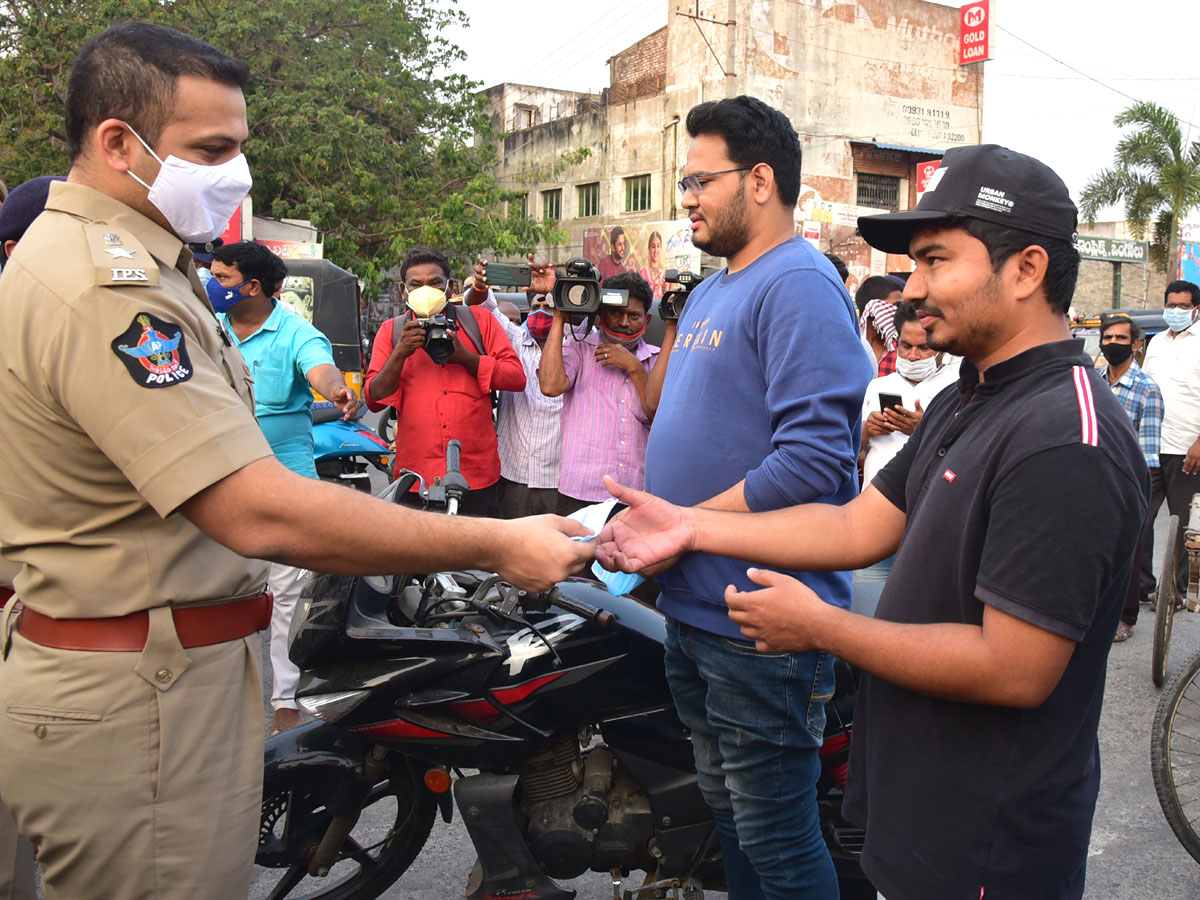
412	337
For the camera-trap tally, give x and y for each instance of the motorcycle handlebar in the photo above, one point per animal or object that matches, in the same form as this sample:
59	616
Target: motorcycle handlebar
453	456
601	617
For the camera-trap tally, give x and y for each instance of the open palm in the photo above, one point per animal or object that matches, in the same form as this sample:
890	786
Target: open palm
647	537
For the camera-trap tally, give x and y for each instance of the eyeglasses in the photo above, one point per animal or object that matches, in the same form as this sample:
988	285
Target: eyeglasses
695	185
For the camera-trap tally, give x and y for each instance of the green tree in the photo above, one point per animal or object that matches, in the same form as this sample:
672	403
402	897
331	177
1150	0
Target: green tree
1154	174
355	122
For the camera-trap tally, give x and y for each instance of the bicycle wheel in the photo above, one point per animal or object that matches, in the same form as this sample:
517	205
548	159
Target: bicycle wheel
1175	755
1164	608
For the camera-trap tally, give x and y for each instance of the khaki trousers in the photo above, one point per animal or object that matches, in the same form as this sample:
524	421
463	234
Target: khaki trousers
17	880
135	786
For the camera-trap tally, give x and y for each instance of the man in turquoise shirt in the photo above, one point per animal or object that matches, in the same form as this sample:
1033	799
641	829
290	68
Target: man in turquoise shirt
286	355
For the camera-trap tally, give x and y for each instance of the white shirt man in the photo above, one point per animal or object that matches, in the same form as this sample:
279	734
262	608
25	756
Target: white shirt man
1173	361
920	375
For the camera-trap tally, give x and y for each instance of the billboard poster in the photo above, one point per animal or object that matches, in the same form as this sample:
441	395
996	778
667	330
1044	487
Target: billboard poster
649	248
1189	261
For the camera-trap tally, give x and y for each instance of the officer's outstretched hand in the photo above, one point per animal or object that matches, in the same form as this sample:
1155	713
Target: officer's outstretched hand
780	618
537	552
648	537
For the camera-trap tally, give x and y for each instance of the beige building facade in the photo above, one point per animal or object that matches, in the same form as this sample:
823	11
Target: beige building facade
874	90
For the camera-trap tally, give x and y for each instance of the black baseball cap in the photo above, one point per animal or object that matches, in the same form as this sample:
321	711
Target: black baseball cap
24	204
986	182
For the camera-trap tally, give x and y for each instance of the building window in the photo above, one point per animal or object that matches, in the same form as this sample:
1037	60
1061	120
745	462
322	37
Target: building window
879	191
522	117
552	204
637	193
589	199
519	206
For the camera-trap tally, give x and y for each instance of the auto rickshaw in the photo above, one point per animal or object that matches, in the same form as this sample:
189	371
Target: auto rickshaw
327	296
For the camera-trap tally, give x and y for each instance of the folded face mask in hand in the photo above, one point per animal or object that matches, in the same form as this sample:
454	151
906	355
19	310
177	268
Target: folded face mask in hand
595	517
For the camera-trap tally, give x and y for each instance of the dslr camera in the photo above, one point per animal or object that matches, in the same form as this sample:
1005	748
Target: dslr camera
670	307
577	289
439	336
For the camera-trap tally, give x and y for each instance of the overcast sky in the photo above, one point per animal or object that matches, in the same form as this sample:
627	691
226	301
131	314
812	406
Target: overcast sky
1032	103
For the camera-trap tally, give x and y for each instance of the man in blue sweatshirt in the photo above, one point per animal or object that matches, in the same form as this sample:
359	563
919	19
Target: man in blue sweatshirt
760	411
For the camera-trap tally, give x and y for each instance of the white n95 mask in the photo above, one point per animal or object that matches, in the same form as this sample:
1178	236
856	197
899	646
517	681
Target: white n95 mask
197	201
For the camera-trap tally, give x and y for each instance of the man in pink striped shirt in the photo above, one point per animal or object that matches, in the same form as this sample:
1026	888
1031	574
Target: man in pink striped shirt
610	382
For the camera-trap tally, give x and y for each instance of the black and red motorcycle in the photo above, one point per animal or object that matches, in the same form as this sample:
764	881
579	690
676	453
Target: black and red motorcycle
546	715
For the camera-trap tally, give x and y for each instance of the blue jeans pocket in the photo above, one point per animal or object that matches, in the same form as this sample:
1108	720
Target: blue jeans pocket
747	647
822	692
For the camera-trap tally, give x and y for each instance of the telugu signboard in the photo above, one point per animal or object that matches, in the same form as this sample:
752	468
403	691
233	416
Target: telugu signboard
975	32
1113	249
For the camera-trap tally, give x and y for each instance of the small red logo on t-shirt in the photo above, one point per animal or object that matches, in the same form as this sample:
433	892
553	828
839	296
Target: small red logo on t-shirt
949	476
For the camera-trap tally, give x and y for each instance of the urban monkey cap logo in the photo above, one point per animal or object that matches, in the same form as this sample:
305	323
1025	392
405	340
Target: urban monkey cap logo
153	351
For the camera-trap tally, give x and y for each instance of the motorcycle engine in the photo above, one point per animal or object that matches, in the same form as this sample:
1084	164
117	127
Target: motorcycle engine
584	811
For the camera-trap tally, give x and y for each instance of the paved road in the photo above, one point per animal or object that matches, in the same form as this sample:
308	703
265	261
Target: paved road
1133	854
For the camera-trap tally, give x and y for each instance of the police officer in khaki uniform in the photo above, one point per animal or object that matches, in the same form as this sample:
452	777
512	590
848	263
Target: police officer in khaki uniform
138	491
17	880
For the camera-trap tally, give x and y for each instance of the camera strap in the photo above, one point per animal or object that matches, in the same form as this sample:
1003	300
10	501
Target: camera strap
465	316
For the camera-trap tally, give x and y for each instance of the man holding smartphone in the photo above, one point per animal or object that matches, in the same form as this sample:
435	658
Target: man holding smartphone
892	407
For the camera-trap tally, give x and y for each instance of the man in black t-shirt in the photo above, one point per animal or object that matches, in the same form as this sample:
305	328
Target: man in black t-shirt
1015	508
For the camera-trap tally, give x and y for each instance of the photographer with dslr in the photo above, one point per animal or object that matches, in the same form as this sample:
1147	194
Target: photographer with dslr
440	398
611	390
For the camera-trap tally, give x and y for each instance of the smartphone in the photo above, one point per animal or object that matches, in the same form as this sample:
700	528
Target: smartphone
887	401
516	275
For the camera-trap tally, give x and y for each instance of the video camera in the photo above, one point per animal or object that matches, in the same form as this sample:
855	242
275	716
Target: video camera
577	289
670	307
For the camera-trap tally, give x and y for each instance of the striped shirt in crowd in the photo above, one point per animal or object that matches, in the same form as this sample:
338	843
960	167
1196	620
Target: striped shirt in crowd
1142	400
528	424
604	425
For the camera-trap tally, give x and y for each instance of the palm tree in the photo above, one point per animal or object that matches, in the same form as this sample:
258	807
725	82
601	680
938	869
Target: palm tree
1154	174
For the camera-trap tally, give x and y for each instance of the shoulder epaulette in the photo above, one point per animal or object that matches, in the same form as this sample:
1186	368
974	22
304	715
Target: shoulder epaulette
119	258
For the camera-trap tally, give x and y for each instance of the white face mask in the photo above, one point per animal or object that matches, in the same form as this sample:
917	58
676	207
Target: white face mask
918	369
196	200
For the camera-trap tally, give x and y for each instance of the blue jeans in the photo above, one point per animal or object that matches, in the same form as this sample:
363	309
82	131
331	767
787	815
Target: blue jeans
757	720
868	586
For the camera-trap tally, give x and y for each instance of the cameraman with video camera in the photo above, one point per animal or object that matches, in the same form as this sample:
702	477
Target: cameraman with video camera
441	394
611	391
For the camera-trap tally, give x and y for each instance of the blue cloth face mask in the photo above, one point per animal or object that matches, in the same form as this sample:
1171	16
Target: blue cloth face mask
222	298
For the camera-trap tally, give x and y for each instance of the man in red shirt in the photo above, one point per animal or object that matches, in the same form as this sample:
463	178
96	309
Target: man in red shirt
439	403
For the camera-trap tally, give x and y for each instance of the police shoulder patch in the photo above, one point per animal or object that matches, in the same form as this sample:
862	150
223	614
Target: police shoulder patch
154	352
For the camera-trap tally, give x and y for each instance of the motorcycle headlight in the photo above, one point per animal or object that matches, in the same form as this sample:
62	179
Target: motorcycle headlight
332	707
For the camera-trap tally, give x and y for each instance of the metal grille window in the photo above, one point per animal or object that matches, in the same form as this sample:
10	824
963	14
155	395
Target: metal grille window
637	193
879	191
552	204
589	199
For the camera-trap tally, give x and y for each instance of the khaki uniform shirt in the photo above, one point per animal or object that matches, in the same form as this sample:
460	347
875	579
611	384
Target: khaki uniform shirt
120	399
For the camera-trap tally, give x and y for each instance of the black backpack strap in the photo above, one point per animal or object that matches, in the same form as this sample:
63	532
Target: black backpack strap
468	324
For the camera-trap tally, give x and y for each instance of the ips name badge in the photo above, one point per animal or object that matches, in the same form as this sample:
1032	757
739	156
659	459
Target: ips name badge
153	351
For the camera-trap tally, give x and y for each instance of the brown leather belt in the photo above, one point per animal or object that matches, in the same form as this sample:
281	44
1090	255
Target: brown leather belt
197	626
